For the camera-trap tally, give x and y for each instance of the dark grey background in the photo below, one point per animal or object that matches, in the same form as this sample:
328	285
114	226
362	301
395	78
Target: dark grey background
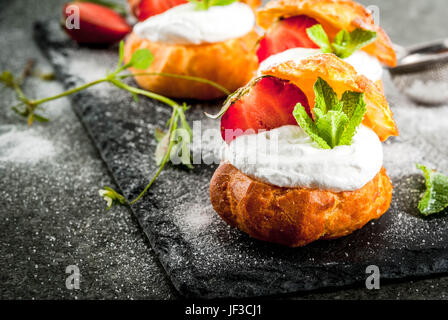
51	215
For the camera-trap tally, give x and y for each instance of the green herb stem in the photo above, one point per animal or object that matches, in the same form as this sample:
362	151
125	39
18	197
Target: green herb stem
178	76
20	93
172	127
68	92
142	92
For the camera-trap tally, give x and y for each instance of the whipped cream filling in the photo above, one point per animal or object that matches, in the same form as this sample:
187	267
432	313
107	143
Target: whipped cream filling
363	63
184	24
288	157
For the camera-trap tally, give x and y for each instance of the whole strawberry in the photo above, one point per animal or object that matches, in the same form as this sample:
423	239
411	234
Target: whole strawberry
87	22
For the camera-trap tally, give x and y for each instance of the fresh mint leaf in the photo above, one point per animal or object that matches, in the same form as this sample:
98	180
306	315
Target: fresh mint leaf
354	106
326	98
340	43
350	101
320	37
336	121
141	59
331	126
308	125
346	43
435	198
330	120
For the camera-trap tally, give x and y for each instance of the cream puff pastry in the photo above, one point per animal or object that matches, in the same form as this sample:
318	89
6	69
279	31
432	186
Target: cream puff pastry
216	44
286	23
310	193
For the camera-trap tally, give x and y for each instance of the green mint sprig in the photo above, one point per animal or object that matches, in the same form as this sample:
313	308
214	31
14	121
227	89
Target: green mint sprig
336	121
345	43
206	4
172	143
435	198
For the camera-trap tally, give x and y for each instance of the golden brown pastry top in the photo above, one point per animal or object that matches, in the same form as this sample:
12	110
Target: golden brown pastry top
334	15
341	76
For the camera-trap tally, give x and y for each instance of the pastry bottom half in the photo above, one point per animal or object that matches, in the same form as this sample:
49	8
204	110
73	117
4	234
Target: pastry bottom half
231	64
295	216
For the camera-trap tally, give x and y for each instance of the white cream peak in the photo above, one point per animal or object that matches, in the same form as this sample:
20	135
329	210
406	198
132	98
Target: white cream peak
184	24
288	157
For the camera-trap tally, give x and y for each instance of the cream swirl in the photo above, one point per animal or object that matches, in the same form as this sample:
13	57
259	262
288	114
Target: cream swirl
184	24
288	157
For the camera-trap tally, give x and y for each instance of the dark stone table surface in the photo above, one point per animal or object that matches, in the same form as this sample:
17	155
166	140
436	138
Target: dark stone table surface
51	215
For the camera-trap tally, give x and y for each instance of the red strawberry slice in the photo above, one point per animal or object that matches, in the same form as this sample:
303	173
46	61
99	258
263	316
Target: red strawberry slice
143	9
267	105
97	24
286	34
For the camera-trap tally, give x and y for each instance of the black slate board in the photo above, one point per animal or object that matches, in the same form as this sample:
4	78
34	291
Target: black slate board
201	254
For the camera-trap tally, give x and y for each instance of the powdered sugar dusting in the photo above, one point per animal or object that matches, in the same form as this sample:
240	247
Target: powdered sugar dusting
406	224
430	91
87	66
196	220
420	130
24	146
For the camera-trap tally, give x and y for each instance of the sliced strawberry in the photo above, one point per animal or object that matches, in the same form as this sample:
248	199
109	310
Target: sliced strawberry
143	9
97	24
268	104
286	34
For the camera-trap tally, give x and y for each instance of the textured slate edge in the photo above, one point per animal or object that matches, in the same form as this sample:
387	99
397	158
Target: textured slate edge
276	281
